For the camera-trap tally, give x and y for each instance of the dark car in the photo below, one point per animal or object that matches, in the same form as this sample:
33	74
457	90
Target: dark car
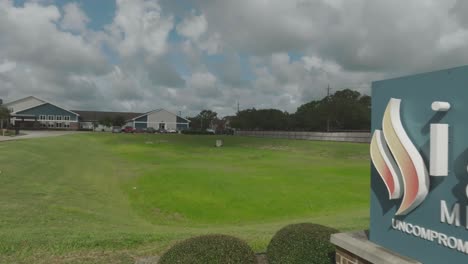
128	129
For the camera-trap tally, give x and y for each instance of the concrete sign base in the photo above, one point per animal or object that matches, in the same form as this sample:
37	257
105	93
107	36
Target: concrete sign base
356	248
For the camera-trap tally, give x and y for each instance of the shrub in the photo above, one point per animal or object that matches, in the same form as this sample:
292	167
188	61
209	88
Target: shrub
210	249
196	132
301	244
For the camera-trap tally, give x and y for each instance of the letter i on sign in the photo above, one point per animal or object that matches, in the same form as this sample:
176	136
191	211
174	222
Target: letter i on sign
439	143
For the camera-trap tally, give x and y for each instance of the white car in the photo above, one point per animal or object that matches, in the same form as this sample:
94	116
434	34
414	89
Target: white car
210	131
171	131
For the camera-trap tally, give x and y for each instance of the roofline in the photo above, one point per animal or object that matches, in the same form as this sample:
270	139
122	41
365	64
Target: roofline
45	102
22	99
147	113
158	110
16	115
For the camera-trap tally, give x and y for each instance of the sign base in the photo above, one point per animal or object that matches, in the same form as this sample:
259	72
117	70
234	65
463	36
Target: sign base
356	248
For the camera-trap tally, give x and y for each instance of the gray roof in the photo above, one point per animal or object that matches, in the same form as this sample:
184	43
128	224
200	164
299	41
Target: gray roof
94	116
158	110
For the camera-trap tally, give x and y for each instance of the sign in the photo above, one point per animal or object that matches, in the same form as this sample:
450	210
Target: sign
419	171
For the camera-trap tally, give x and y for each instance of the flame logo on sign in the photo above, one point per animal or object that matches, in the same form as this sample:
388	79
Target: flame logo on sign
398	162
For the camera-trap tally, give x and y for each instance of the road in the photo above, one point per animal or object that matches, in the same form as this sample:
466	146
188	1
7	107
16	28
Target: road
39	134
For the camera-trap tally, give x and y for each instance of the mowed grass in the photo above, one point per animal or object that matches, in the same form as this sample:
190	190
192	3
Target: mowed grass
96	198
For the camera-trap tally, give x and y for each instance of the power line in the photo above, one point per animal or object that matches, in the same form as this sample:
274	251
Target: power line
328	90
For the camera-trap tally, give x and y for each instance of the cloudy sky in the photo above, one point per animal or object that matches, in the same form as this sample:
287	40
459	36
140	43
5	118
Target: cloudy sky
189	55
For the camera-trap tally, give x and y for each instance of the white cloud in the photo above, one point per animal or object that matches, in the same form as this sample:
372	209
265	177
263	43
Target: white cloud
192	27
212	44
140	27
195	29
29	35
7	66
453	40
39	58
204	84
74	18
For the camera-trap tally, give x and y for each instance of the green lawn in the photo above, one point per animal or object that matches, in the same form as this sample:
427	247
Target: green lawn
92	198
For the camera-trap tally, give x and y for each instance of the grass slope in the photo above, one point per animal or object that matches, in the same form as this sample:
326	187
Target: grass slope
111	198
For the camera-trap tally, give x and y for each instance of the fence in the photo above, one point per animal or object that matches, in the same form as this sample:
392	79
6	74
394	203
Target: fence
358	137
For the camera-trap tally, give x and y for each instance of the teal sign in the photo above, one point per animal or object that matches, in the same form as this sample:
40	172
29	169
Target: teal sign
419	174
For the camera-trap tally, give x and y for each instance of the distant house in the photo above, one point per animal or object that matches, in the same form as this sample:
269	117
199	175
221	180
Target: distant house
160	119
34	113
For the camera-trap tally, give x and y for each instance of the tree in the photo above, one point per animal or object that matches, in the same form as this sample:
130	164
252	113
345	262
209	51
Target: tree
309	116
119	121
350	110
106	121
263	119
4	116
344	110
206	118
203	120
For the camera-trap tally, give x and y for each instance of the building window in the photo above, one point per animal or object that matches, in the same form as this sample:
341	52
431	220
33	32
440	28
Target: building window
42	117
51	117
66	118
58	125
50	125
66	125
58	117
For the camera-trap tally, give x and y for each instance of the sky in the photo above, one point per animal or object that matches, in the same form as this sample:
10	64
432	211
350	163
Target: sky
190	55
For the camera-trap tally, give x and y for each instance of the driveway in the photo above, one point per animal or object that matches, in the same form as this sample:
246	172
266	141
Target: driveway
39	134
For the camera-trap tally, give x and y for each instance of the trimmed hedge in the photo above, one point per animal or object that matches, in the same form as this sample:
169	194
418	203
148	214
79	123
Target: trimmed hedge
301	244
210	249
195	132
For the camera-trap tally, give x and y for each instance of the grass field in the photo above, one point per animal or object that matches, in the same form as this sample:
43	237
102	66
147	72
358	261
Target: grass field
101	198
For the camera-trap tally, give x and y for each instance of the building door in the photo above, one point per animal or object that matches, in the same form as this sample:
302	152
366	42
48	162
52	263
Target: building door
162	126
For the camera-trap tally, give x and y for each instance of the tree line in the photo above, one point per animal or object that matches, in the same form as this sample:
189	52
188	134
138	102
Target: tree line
345	110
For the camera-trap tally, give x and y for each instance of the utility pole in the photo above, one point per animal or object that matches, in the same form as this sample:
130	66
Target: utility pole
238	107
1	121
328	108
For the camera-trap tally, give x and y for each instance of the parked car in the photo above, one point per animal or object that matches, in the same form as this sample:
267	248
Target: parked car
116	129
161	131
171	131
128	129
210	131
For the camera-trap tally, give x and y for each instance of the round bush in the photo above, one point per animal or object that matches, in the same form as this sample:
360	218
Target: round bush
301	244
210	249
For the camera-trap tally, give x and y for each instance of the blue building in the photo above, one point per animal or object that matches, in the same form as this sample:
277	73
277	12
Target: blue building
32	112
